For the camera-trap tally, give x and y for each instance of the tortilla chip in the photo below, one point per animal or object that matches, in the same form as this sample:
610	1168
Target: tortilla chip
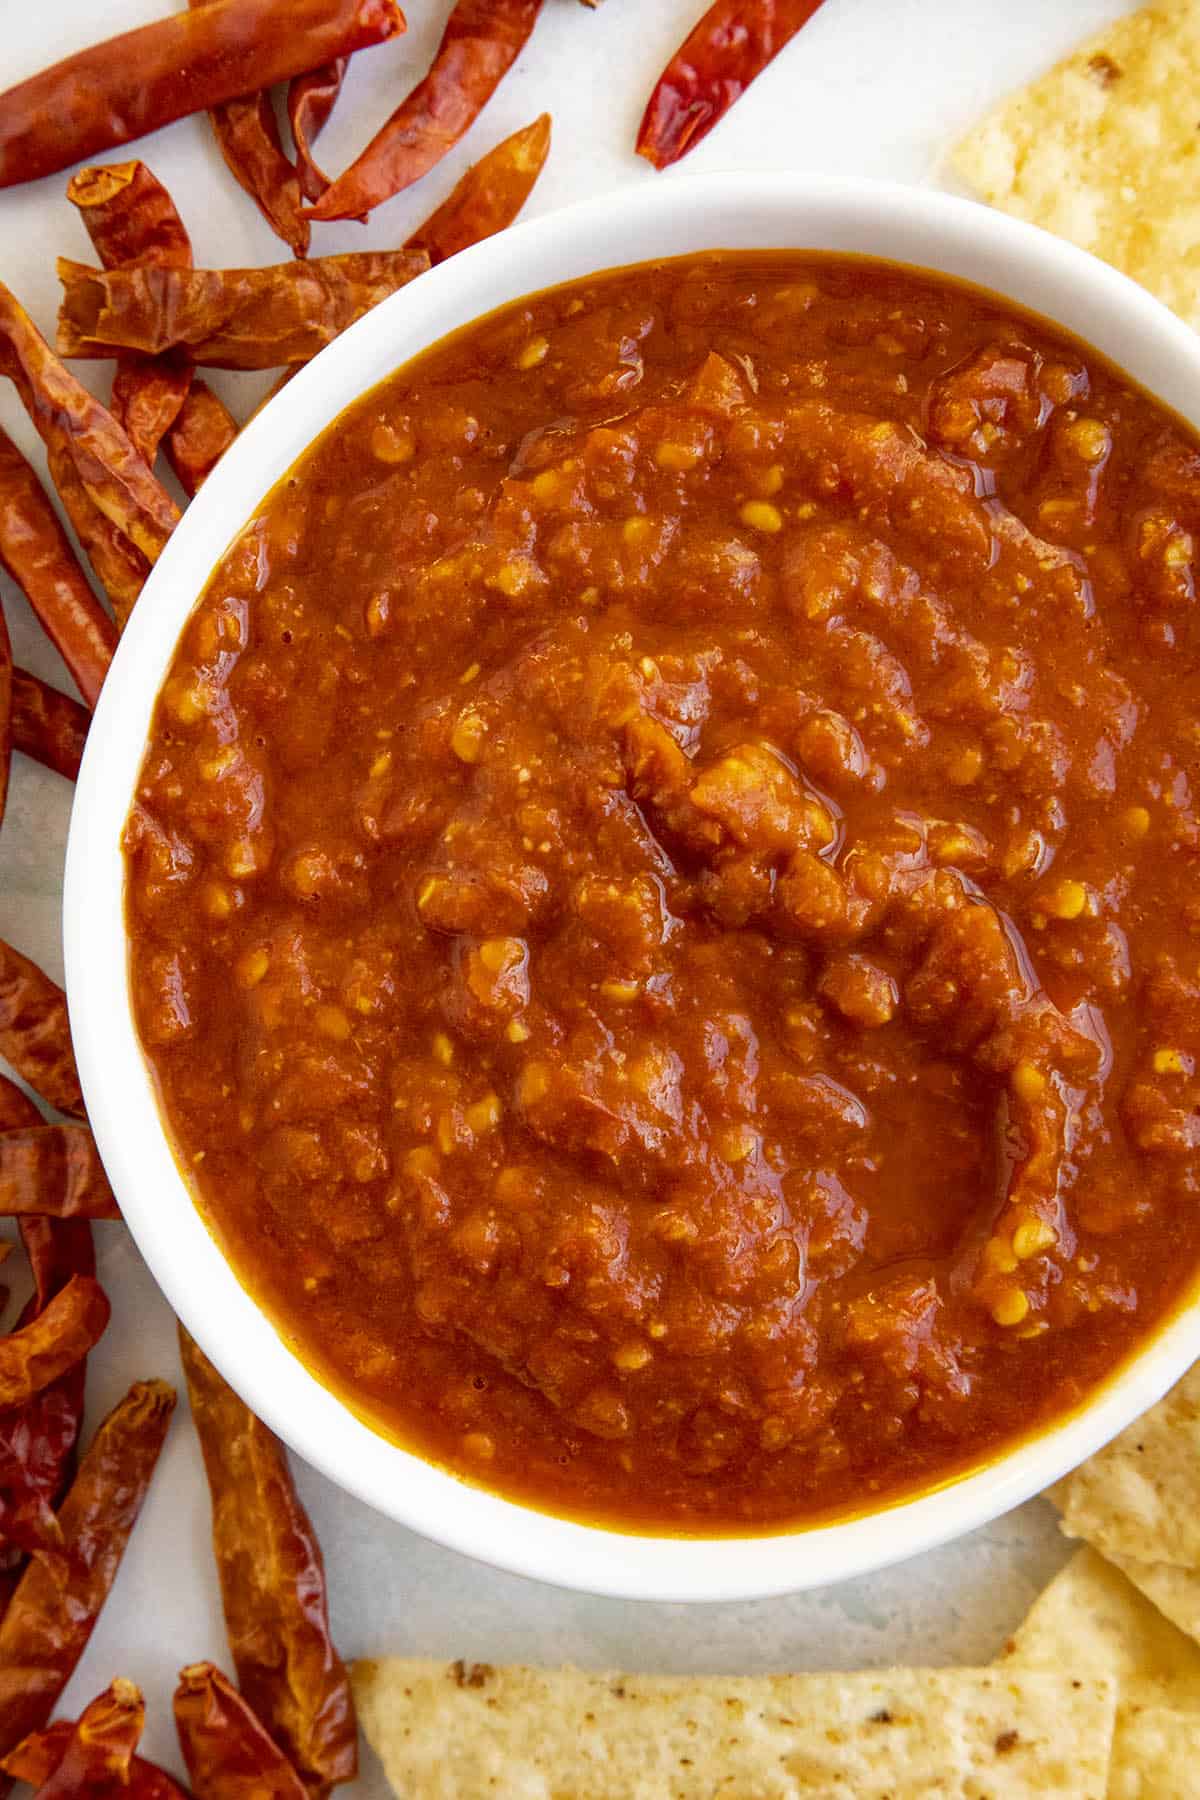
1157	1756
1104	150
449	1732
1139	1497
1093	1621
1174	1591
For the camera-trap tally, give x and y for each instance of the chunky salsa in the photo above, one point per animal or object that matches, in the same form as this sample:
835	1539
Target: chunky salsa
663	892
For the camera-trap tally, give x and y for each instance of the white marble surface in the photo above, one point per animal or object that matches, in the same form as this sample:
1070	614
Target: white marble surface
873	87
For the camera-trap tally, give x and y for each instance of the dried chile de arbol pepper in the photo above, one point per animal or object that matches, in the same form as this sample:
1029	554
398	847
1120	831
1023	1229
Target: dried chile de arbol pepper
57	1602
489	196
310	100
35	1037
94	1757
229	1755
17	1110
35	550
37	1440
199	437
54	1171
6	705
132	222
130	217
98	1755
55	1339
713	67
272	1584
227	318
482	40
185	63
121	514
247	135
48	725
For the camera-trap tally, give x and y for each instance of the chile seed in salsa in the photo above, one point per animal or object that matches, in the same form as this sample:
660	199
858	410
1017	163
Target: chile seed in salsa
662	890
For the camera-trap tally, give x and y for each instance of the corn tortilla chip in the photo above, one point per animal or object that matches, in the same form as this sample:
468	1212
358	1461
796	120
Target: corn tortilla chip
1174	1591
449	1732
1139	1497
1104	150
1093	1621
1156	1756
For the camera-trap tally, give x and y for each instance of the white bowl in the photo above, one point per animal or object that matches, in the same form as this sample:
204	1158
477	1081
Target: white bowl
662	218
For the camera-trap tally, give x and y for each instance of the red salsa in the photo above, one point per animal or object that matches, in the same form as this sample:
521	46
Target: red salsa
662	891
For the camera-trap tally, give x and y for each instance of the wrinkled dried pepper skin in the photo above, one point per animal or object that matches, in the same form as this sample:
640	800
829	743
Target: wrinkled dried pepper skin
713	67
130	217
57	1338
185	63
228	1752
37	553
54	1171
132	222
37	1440
311	99
147	393
121	514
17	1110
98	1755
48	725
41	1754
34	1034
199	437
247	135
51	1615
227	318
6	703
489	196
272	1584
482	40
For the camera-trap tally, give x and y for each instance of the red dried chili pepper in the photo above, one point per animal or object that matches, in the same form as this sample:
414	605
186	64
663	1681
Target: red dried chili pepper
36	1758
34	1034
229	1754
55	1339
199	437
6	703
47	725
182	64
713	67
98	1755
132	222
121	514
247	134
272	1584
310	100
482	40
54	1171
489	196
227	318
94	1757
130	217
55	1607
35	550
147	393
37	1440
16	1108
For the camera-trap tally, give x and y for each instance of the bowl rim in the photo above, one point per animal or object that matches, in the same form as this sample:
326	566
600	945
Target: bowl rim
678	214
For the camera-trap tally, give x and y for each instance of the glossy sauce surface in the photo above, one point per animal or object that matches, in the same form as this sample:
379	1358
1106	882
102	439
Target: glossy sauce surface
662	890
